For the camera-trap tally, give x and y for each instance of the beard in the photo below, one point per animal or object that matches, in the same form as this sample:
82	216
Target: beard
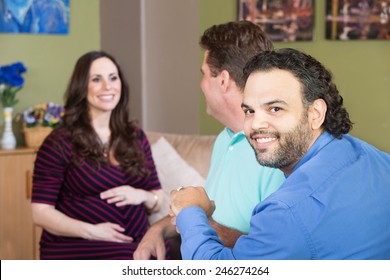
292	146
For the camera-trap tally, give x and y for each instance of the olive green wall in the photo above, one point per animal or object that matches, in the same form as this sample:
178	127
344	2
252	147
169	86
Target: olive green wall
361	70
49	59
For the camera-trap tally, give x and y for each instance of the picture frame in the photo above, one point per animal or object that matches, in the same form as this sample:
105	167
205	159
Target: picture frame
35	16
358	20
281	20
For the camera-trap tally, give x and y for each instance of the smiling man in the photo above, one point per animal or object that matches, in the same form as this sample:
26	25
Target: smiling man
334	202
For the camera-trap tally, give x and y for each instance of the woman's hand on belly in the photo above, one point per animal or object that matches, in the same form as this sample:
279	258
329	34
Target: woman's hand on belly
128	195
108	232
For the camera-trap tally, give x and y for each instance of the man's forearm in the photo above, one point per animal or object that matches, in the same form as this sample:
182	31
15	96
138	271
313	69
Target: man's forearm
227	235
165	227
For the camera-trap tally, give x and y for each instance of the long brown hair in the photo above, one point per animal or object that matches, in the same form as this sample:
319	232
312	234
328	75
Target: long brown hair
124	142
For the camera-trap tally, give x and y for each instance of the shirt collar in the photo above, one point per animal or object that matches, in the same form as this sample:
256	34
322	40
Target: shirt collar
324	139
235	137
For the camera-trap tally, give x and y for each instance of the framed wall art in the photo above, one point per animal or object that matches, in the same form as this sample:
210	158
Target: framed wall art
34	16
358	19
282	20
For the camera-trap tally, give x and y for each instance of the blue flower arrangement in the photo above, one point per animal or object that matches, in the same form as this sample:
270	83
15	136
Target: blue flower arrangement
45	114
11	81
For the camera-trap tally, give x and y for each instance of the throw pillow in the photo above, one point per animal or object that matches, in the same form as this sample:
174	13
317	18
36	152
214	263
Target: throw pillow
173	172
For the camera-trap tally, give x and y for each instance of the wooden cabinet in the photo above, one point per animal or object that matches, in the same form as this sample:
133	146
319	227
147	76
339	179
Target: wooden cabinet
18	236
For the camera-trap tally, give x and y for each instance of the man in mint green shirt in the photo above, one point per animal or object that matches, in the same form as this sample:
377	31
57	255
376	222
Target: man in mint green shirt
235	181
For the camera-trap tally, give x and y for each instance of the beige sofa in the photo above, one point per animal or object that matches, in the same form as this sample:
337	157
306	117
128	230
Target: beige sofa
181	160
193	148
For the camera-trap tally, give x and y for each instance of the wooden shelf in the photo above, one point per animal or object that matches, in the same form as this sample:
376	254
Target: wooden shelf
17	151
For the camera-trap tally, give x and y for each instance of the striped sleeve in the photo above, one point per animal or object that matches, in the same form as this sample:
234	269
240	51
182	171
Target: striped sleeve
49	169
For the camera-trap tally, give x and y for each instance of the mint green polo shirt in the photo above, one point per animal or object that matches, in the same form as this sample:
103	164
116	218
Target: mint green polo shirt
236	181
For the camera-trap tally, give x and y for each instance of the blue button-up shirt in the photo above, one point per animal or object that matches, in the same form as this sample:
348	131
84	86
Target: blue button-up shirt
334	205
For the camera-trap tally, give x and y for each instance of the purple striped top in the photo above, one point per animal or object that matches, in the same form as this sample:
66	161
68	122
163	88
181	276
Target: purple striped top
75	190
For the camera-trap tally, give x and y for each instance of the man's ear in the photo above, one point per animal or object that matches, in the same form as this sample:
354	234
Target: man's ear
225	80
317	113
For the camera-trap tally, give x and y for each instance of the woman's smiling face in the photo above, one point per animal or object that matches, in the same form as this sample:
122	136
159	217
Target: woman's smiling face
104	86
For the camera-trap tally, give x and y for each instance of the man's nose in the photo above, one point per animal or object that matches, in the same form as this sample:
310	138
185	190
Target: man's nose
260	121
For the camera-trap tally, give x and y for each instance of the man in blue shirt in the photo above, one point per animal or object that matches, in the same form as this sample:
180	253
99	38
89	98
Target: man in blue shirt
334	203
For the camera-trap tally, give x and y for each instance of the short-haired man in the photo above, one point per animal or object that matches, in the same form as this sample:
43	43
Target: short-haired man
236	182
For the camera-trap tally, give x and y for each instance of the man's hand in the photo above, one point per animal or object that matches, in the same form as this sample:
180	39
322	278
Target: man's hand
152	244
190	196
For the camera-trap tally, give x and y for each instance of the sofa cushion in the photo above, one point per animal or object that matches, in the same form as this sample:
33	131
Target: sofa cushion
195	149
173	172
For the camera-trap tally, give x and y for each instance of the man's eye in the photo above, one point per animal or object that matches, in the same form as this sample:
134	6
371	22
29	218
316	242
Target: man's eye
275	109
248	112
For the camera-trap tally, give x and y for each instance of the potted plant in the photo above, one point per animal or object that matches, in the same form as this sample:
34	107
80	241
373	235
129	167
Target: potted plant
11	82
39	121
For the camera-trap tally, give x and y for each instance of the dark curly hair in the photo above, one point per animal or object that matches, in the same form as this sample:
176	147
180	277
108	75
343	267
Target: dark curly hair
231	45
316	83
124	141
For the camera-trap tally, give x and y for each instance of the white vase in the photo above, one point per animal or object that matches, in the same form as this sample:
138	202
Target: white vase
8	141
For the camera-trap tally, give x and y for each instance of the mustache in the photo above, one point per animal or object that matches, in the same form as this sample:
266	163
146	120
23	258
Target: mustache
263	132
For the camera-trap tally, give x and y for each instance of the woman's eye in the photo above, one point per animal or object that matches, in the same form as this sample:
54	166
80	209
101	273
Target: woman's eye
95	79
113	77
